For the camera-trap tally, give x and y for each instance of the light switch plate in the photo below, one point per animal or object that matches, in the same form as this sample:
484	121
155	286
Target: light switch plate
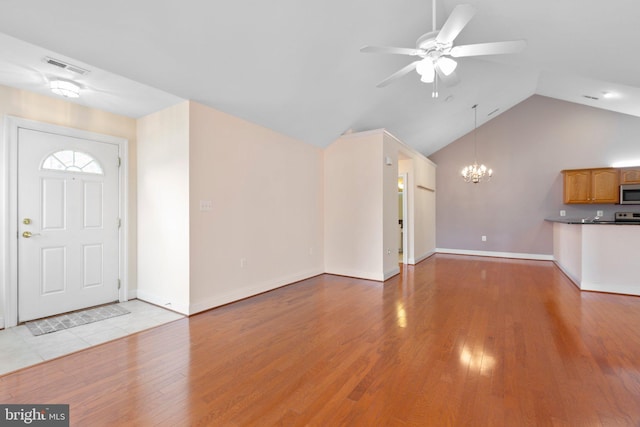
206	205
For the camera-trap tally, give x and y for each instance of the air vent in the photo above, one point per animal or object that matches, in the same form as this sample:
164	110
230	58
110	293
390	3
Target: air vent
493	112
66	66
595	98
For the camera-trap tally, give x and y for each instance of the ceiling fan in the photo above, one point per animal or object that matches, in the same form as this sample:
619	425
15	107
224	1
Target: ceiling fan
436	50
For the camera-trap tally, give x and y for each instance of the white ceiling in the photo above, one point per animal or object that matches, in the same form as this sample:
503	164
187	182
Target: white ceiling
295	66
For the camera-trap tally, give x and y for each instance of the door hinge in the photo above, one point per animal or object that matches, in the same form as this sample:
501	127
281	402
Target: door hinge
119	284
119	161
119	222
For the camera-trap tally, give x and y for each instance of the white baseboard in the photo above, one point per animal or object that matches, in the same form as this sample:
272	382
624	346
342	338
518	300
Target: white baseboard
611	288
573	279
358	274
515	255
161	302
389	274
414	261
255	289
132	294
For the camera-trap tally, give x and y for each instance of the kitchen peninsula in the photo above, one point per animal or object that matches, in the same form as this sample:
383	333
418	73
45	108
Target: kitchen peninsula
599	255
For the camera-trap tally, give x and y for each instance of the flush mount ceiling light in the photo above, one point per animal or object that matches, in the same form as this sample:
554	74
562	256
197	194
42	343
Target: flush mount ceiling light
475	173
65	88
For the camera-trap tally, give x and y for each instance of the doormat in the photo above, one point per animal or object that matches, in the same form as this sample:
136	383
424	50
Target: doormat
77	318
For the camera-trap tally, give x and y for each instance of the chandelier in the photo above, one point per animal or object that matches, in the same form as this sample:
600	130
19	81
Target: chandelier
475	172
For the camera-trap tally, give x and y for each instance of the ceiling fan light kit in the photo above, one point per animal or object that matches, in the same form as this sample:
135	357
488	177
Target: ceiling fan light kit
436	50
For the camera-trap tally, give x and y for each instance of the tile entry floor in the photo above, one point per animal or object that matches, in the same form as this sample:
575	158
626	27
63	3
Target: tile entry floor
19	348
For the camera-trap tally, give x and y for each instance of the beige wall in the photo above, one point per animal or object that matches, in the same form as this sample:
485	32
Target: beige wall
163	208
361	210
265	227
28	105
353	206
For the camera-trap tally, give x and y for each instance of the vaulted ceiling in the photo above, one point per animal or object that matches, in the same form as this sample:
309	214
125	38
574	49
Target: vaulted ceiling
295	66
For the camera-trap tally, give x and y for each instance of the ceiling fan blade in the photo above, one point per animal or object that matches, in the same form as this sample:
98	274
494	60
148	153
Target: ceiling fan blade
495	48
458	19
392	50
398	74
449	80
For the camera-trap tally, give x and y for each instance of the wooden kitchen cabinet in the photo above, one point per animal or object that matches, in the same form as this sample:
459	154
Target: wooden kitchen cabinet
591	186
630	176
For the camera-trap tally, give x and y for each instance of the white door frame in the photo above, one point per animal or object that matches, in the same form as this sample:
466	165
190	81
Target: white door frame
9	207
405	217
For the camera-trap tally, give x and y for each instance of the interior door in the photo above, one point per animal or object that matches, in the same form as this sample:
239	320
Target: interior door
68	213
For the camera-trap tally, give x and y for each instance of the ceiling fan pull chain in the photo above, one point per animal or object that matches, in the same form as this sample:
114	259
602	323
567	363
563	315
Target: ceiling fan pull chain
434	94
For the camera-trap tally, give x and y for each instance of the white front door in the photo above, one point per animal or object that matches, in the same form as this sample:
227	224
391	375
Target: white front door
68	208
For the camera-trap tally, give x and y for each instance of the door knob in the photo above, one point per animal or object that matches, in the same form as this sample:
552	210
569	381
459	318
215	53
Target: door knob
28	234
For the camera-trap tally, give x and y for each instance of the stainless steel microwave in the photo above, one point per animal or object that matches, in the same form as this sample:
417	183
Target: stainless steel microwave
630	194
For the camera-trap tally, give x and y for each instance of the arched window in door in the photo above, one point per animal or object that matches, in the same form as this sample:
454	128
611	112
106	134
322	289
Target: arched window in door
72	161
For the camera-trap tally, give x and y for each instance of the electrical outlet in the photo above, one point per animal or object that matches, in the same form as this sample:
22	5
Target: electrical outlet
563	213
484	238
599	213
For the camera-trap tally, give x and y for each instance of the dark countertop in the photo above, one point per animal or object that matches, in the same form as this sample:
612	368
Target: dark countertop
565	220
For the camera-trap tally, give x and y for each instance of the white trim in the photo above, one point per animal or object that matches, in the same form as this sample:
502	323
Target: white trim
258	288
162	302
515	255
573	279
9	202
414	261
408	148
379	131
393	272
615	288
586	285
383	131
4	220
358	274
405	217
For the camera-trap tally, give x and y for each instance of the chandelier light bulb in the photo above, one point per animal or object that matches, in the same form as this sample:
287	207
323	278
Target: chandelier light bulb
475	173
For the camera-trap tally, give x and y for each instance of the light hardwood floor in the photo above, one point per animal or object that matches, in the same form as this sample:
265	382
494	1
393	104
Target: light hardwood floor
455	340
